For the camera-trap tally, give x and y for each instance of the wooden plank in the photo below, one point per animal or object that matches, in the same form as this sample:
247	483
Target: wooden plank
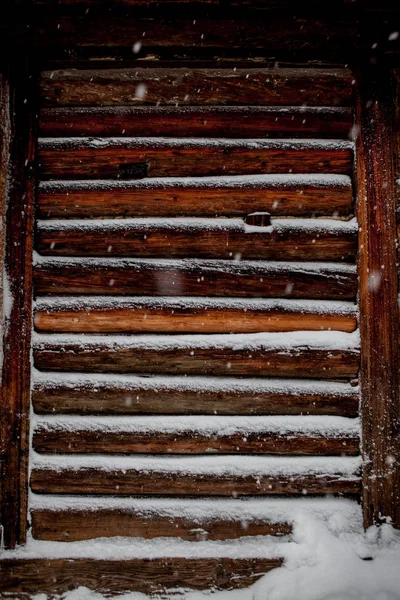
53	439
161	483
31	576
202	121
136	158
15	402
138	396
77	525
195	278
242	355
190	316
379	318
288	195
309	239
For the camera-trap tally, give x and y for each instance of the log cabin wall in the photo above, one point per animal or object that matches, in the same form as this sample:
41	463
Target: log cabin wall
195	286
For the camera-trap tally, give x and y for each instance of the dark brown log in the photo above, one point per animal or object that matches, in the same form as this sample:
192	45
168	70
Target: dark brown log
208	239
180	319
190	358
57	440
196	278
379	318
19	110
137	398
210	121
251	86
31	576
136	158
76	525
258	219
161	483
201	198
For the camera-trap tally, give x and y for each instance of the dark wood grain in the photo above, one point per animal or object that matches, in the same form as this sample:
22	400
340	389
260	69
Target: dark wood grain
220	239
195	278
202	121
201	199
227	359
86	159
161	483
379	318
76	525
15	402
31	576
186	320
321	87
109	398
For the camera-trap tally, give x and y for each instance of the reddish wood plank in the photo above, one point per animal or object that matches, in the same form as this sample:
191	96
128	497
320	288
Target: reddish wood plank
216	238
135	158
152	397
202	197
195	278
209	121
58	440
379	318
251	86
76	525
31	576
194	356
161	483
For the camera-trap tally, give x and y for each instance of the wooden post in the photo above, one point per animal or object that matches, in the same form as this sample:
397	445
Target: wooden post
15	400
378	293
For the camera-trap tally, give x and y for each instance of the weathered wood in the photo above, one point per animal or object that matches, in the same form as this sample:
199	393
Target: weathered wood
150	397
15	402
207	121
197	357
284	240
195	278
379	318
176	317
196	87
31	576
136	158
59	440
161	483
76	525
323	195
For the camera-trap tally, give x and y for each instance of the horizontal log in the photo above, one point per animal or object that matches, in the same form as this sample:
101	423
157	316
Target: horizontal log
190	315
285	239
195	278
298	354
251	86
110	394
287	195
255	438
203	121
31	576
76	525
136	158
161	483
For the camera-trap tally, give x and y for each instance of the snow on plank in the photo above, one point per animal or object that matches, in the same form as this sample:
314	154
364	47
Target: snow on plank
297	354
191	86
197	476
289	435
235	196
191	277
207	121
72	393
284	239
190	315
136	158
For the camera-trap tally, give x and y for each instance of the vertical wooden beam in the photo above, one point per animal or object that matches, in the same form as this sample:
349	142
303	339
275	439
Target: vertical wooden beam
378	295
15	400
